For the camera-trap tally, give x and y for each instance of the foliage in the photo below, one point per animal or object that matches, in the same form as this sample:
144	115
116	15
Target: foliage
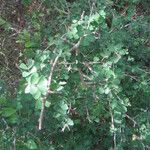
85	78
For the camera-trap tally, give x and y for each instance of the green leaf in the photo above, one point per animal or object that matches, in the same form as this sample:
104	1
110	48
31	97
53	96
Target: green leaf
74	30
25	74
80	30
117	113
87	40
62	112
13	119
96	59
116	81
62	83
124	108
64	106
118	121
37	95
4	24
107	90
23	66
34	78
47	104
6	112
101	90
59	88
38	104
30	63
114	104
73	33
2	21
70	122
42	85
3	100
27	89
94	17
31	144
33	89
102	13
34	69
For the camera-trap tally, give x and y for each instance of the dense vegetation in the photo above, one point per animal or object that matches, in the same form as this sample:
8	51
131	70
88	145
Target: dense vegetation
74	75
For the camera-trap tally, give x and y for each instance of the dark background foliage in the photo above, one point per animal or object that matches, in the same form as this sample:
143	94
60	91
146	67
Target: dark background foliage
85	63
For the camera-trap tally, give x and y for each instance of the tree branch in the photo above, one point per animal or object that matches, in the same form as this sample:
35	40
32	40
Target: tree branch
48	89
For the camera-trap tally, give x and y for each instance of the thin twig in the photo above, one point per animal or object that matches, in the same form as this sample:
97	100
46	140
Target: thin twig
77	45
6	61
132	77
84	75
134	122
84	63
113	127
61	11
88	115
91	11
81	77
6	124
82	15
14	140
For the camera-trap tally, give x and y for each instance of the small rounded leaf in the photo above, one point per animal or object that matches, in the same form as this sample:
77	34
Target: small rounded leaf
47	104
70	122
31	144
34	78
107	90
25	74
23	66
27	89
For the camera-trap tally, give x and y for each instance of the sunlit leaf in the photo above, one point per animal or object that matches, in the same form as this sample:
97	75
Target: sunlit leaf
25	74
31	144
70	122
23	66
27	89
42	85
47	104
60	88
33	89
34	78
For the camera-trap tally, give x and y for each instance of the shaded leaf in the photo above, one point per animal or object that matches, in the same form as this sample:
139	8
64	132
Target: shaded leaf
6	112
